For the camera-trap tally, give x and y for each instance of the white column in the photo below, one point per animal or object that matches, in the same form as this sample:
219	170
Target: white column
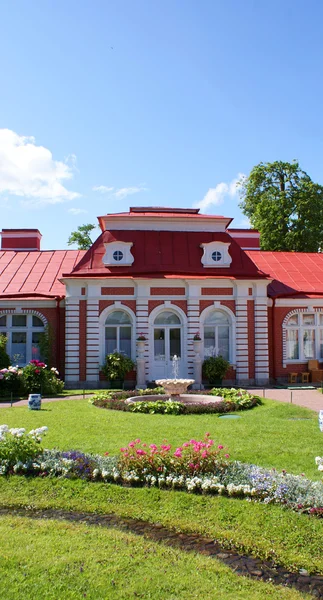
142	327
261	341
242	354
72	339
193	325
92	340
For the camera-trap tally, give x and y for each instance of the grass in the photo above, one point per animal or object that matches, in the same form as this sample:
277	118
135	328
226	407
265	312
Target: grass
54	560
269	532
270	435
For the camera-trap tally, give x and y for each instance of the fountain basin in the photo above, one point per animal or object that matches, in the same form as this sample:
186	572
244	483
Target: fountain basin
184	398
175	387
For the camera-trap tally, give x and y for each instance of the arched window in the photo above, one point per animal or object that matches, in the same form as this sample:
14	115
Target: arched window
23	333
118	333
217	334
304	336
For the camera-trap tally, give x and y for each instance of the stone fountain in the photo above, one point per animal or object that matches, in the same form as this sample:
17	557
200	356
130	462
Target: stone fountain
175	387
175	390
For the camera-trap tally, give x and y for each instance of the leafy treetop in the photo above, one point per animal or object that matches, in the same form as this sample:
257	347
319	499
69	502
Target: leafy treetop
81	237
285	205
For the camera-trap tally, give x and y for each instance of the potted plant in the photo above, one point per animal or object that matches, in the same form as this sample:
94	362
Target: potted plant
115	368
141	339
215	368
197	342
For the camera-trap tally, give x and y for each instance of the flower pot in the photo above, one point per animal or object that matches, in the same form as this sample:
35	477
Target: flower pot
197	344
34	401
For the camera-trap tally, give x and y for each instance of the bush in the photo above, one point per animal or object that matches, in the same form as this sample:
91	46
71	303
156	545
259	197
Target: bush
4	357
116	366
37	378
215	368
17	447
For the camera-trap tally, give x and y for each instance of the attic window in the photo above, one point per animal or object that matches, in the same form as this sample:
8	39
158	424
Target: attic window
216	256
118	255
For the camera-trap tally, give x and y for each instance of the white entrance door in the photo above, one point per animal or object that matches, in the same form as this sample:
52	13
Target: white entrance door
167	344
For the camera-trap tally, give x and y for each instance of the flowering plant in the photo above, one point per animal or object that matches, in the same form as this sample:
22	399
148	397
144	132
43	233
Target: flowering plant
197	337
192	457
37	378
17	446
141	337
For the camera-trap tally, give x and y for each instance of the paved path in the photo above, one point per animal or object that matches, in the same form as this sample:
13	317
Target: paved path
309	398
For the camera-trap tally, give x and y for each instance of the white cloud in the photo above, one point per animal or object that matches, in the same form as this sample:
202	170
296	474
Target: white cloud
128	191
119	192
29	171
216	196
77	211
102	189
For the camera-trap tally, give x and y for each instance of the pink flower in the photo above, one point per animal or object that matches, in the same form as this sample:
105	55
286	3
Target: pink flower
137	441
153	446
204	454
122	449
185	445
178	453
140	452
220	447
207	434
227	455
131	444
106	454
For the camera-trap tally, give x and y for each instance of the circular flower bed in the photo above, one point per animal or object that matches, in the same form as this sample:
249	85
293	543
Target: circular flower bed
232	400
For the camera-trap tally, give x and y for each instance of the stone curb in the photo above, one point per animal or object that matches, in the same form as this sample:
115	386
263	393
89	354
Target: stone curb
245	565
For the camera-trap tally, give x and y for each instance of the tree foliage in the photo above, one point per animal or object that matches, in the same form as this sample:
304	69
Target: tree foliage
81	237
285	205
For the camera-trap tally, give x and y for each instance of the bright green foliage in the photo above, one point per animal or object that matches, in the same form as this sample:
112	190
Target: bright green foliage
215	368
285	205
168	407
116	366
81	237
4	357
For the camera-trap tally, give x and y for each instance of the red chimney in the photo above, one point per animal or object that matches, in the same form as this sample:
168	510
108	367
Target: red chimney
27	240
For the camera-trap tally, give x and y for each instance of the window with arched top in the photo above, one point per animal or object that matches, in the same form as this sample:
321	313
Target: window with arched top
217	329
167	336
304	336
23	333
167	318
118	333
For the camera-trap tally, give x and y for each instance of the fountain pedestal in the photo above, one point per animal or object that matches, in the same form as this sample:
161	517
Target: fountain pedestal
175	387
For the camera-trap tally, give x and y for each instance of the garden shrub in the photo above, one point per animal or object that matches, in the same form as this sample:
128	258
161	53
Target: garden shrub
4	357
37	378
168	407
17	447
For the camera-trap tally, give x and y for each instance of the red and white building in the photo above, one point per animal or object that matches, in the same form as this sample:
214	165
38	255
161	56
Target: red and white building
166	274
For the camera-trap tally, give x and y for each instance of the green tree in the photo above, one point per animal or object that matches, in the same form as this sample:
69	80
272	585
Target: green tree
81	237
285	205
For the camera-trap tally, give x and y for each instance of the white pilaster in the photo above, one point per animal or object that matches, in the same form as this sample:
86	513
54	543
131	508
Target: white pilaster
261	341
72	339
92	340
193	323
142	325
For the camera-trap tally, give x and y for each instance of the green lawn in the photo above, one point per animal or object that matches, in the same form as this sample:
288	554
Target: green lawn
55	560
274	435
270	435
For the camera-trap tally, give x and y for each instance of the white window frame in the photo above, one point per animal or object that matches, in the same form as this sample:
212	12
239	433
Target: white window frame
29	329
117	306
232	328
301	327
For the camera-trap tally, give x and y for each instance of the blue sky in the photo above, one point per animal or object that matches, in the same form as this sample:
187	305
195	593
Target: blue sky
165	102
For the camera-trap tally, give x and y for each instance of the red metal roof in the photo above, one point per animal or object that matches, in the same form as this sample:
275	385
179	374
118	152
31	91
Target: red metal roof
292	272
35	272
160	253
